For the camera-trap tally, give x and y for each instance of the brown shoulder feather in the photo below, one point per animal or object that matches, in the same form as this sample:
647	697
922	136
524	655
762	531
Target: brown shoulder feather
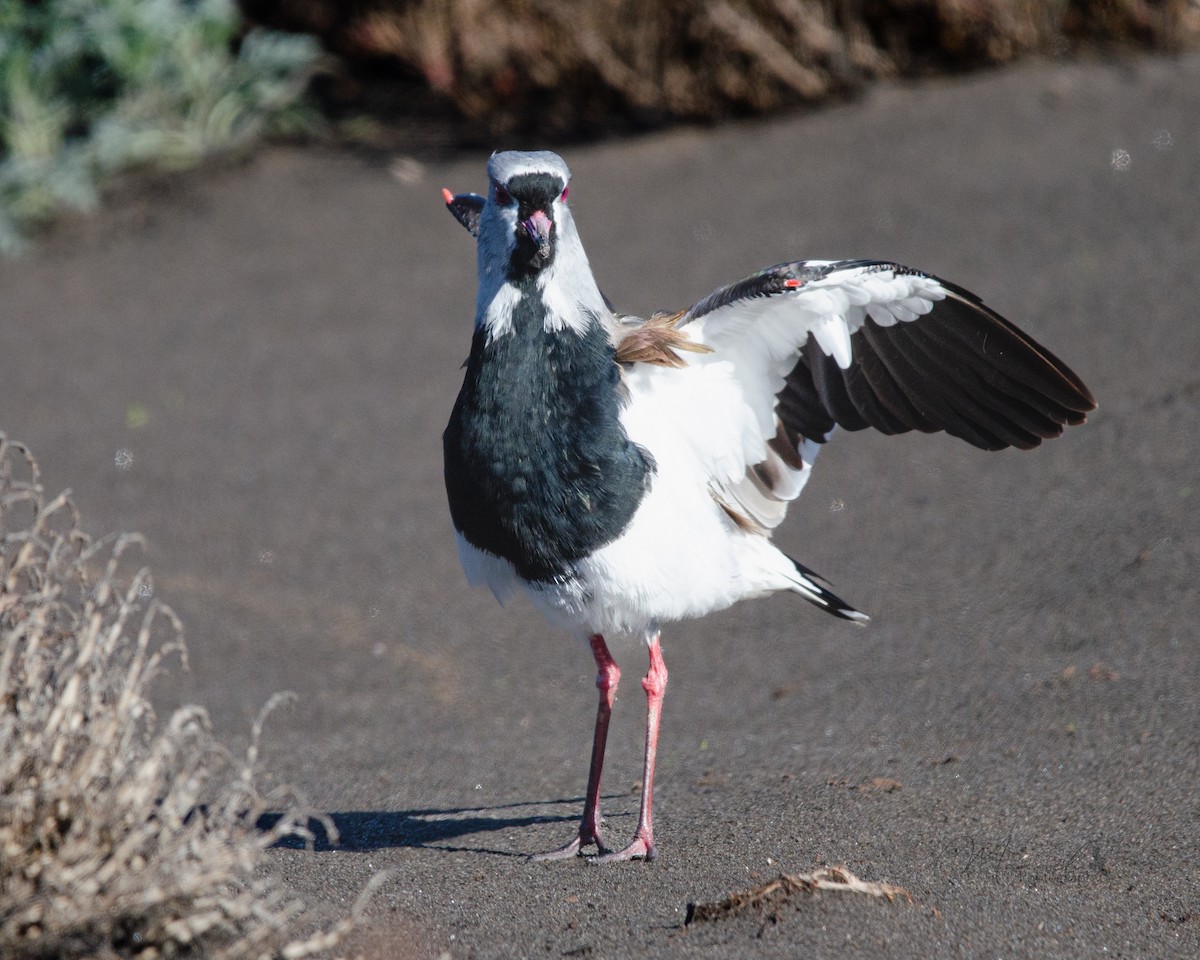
657	341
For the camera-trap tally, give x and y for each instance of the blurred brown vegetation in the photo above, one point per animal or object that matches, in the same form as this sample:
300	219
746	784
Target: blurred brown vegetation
574	67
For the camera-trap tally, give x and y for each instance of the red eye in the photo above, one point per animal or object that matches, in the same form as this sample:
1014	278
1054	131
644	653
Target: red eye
564	193
502	195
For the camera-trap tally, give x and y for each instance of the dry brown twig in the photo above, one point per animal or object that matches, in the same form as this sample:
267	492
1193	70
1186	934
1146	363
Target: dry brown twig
784	887
119	836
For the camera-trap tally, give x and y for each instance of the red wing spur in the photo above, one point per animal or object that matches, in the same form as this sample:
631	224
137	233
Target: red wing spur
628	473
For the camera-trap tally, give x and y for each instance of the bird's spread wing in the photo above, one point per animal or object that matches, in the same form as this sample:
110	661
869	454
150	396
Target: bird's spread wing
863	343
466	207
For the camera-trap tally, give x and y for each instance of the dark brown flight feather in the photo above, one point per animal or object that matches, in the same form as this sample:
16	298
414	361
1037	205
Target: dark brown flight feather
962	368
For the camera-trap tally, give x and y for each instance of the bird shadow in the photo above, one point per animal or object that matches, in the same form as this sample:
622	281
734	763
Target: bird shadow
433	828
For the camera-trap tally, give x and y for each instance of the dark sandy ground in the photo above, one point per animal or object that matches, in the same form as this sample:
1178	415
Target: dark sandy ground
254	370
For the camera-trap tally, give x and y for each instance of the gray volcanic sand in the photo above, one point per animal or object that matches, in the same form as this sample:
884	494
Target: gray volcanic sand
1014	739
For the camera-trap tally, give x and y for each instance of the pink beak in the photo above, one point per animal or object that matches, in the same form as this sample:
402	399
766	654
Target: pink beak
538	228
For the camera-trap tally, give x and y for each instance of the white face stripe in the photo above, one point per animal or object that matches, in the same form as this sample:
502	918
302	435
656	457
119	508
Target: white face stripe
567	286
502	167
497	239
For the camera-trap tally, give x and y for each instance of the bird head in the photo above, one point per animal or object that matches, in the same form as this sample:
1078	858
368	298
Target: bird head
525	235
517	224
526	201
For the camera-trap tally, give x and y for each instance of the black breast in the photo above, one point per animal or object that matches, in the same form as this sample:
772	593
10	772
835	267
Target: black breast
538	468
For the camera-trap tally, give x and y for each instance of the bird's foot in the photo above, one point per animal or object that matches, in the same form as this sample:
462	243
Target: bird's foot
642	848
583	838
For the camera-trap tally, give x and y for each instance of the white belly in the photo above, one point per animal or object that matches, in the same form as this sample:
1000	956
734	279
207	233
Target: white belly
680	556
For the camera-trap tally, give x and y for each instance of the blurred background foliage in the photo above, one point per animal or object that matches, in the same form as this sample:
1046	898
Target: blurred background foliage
91	88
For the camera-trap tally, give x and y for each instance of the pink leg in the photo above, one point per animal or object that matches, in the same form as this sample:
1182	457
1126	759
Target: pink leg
608	675
655	685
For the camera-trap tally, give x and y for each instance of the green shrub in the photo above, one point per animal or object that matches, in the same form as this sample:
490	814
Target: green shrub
89	88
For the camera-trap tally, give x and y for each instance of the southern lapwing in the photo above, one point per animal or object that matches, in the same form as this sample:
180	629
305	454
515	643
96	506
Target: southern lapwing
628	473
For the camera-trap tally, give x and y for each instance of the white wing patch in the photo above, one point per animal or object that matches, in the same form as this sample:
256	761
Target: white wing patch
833	336
722	404
837	305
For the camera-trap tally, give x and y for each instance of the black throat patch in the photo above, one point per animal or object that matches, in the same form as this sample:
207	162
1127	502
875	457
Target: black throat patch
533	192
538	468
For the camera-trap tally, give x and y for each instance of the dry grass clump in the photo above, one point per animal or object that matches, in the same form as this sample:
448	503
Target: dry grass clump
119	836
571	65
